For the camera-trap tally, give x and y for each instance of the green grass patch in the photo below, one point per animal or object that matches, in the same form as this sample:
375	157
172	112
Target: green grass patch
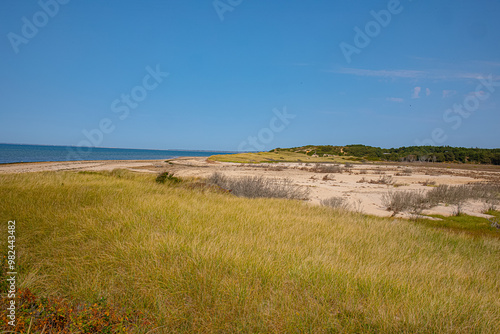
477	226
281	156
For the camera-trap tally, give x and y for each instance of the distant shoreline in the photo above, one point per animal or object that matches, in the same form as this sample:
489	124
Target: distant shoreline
15	153
122	148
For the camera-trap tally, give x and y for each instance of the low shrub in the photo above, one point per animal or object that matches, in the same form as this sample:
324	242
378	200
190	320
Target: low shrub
166	176
259	186
275	168
386	179
335	202
327	168
36	314
362	180
408	171
428	183
401	201
452	195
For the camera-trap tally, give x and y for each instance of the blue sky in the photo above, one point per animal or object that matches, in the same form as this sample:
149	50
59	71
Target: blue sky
250	74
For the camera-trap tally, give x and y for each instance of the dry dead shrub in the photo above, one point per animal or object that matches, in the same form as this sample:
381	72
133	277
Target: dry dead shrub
413	202
275	168
336	202
362	180
326	168
428	183
457	195
259	186
386	179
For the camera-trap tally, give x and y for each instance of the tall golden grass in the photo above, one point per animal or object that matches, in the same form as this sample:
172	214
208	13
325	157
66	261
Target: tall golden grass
201	261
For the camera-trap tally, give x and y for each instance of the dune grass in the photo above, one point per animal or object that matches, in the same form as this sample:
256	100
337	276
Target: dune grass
202	261
281	156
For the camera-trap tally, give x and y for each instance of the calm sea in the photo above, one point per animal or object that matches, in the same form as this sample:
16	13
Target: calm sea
10	153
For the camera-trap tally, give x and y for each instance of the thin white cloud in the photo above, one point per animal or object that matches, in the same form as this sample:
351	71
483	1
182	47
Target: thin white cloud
382	73
449	93
416	92
411	74
427	92
395	99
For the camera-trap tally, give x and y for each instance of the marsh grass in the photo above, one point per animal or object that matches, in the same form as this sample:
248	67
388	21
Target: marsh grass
207	262
475	226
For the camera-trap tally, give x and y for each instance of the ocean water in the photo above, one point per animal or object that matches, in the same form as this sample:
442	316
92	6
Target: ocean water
10	153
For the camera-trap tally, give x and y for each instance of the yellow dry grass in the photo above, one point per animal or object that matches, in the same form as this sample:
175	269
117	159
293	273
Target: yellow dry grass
209	262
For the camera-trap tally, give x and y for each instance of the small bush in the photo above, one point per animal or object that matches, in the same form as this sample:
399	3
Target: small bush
275	168
449	194
362	180
386	179
401	201
428	183
336	203
166	176
322	168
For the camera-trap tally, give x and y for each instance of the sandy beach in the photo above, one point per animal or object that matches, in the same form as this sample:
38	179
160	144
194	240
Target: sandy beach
357	184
